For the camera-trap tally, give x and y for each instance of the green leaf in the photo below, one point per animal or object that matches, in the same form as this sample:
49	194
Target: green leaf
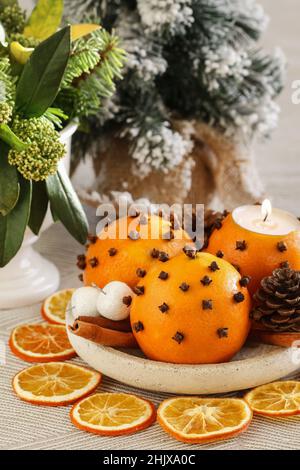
42	75
45	19
66	206
19	53
54	216
8	136
84	29
13	225
9	183
39	206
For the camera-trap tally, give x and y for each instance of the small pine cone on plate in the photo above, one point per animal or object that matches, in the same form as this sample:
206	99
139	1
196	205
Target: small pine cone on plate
278	302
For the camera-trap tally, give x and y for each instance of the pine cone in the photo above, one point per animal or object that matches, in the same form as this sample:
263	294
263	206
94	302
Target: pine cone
278	301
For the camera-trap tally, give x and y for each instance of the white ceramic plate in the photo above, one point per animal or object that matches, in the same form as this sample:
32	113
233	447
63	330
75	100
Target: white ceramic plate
254	365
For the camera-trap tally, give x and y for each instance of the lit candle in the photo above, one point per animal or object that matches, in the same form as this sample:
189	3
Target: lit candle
256	240
265	220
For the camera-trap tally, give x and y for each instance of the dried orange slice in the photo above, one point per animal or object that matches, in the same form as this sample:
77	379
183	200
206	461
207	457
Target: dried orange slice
275	399
41	343
54	308
113	414
200	420
55	384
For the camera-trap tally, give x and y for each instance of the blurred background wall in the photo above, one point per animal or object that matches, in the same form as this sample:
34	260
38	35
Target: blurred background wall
279	159
27	3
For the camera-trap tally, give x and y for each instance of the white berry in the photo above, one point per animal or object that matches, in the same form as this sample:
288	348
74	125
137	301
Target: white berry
84	302
114	301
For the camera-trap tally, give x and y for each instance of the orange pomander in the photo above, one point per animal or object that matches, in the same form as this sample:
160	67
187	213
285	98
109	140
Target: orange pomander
255	255
193	310
147	240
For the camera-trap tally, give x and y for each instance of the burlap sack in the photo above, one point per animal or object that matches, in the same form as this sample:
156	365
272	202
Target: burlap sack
218	173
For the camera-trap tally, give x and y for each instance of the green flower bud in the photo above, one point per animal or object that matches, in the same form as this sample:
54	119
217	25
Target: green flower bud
5	113
24	40
39	160
12	18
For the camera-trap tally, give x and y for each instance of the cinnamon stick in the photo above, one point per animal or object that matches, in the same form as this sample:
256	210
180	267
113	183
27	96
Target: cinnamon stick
103	336
285	340
123	325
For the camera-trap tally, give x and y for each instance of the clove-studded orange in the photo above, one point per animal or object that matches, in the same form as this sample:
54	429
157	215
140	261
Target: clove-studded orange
127	248
198	315
254	255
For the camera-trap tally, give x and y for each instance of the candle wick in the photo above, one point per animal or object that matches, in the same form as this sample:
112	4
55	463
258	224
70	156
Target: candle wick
266	217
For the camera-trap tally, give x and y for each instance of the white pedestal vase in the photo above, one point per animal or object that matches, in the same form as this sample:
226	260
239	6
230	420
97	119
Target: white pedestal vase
30	278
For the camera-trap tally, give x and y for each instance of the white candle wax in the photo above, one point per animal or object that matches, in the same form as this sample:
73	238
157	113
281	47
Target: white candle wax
265	220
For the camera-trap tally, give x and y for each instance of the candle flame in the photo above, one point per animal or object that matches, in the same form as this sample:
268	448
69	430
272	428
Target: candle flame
266	209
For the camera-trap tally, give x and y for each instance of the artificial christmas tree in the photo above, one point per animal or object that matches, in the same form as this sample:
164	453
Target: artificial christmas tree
195	95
